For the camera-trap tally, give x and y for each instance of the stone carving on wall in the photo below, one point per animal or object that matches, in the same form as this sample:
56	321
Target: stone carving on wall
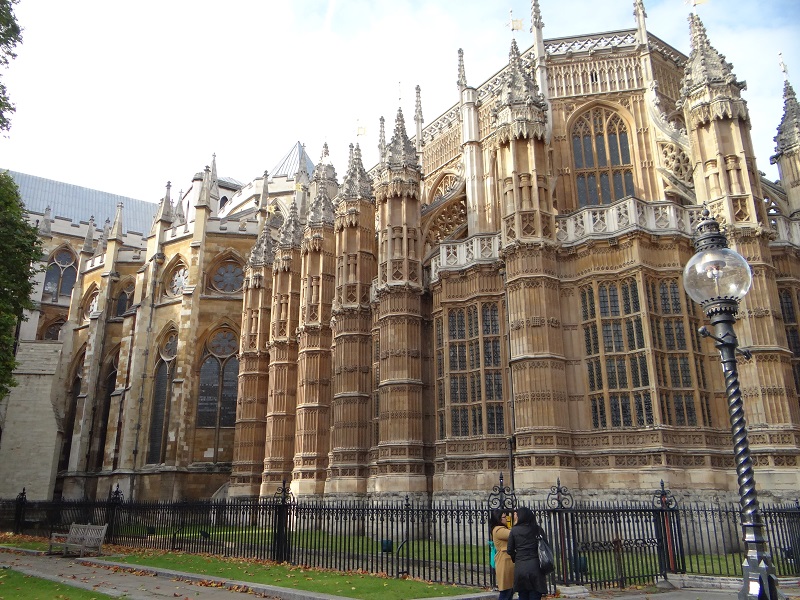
676	162
447	221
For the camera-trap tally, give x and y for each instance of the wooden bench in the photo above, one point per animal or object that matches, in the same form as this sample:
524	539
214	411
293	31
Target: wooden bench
79	540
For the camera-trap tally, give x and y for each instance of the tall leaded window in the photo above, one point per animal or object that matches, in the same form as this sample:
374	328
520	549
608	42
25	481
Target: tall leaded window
618	375
470	389
62	271
789	313
216	403
602	155
680	369
99	431
162	384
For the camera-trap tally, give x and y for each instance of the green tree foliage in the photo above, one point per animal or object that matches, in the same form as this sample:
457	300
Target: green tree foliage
10	36
21	252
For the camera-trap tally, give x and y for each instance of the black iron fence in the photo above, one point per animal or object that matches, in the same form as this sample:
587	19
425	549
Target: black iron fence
596	544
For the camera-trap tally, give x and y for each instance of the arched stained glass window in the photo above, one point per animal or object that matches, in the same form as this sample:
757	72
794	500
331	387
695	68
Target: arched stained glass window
61	274
53	330
159	416
125	299
602	155
219	373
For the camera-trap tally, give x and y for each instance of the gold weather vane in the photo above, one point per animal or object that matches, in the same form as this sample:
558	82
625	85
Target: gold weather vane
514	24
360	129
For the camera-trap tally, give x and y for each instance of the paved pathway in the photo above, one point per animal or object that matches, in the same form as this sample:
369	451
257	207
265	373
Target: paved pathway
101	576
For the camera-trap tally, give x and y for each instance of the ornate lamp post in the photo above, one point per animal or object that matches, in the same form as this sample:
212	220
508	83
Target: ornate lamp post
717	278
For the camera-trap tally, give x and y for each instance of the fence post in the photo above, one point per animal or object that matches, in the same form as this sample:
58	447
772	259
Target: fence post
280	539
115	498
19	512
560	499
670	548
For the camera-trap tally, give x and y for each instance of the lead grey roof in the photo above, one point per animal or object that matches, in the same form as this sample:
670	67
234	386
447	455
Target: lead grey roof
290	164
78	203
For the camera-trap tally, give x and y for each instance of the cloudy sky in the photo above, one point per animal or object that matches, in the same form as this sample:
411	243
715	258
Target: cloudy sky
122	96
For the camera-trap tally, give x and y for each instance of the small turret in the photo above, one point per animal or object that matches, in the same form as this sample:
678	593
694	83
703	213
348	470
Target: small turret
264	250
522	110
707	75
357	183
88	241
164	212
116	228
401	151
292	230
787	145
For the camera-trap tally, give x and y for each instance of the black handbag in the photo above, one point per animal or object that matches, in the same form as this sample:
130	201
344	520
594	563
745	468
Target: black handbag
546	559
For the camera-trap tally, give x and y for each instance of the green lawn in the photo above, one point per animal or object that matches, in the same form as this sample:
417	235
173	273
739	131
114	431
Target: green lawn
351	585
16	586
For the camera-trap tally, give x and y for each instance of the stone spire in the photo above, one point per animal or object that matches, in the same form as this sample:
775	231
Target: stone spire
164	212
89	239
641	25
179	218
321	210
401	151
263	199
116	228
705	65
521	109
382	141
102	243
292	230
462	74
324	176
204	198
788	137
518	86
357	183
214	186
264	250
418	120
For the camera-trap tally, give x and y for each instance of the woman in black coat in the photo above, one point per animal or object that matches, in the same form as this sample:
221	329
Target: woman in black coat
523	548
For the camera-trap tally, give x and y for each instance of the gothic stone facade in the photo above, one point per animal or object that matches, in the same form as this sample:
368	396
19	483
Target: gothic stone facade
510	272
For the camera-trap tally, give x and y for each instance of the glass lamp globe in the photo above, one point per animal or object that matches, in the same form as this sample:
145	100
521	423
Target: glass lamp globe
717	274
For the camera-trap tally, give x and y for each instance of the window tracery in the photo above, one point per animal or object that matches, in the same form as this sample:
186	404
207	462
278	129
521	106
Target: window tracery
602	157
472	403
125	298
61	275
178	280
219	372
447	221
618	375
228	277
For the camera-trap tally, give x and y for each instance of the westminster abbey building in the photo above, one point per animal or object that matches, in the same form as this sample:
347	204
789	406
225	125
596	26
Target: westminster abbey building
503	290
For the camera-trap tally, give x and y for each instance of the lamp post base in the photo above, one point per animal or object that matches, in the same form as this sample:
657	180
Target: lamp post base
760	582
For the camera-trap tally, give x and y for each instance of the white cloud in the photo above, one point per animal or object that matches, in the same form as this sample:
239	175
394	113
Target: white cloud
125	96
